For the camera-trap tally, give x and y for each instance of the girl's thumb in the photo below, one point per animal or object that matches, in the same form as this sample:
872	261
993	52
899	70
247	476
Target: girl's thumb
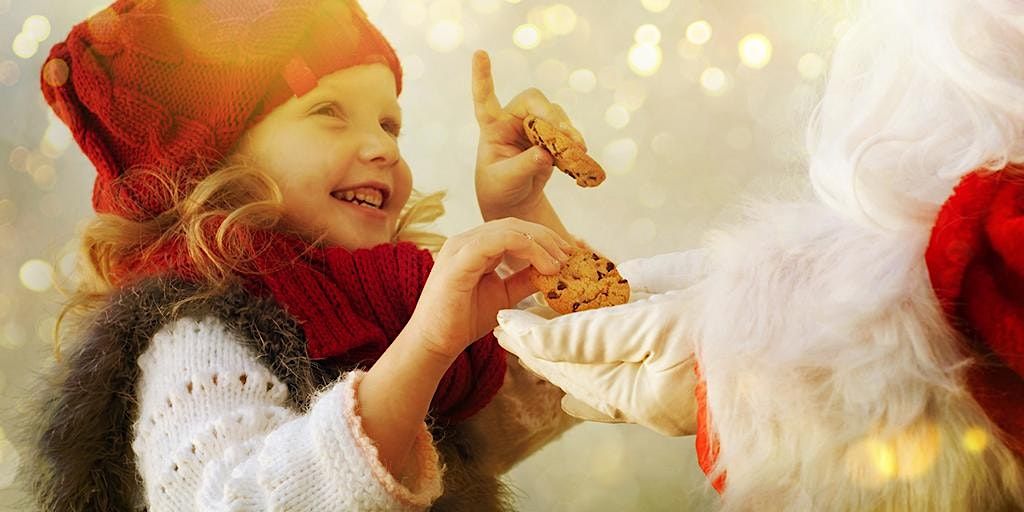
518	286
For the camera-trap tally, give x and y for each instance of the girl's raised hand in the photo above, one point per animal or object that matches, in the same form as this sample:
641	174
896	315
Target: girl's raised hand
510	171
463	294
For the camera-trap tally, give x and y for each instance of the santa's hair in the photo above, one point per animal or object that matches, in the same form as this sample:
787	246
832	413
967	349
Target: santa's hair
834	382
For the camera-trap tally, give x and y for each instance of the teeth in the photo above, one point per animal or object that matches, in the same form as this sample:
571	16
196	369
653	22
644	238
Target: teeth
368	197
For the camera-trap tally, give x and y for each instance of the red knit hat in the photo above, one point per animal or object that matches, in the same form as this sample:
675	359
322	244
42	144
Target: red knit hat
171	86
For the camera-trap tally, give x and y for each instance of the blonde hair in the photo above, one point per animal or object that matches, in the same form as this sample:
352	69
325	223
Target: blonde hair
214	219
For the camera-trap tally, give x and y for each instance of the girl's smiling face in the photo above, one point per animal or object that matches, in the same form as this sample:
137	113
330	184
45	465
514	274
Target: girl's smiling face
334	154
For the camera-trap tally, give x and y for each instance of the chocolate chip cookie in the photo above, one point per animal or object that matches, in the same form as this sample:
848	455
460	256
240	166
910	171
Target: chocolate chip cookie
587	281
570	156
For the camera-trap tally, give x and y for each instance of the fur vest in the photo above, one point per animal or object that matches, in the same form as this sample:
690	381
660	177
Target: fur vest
81	429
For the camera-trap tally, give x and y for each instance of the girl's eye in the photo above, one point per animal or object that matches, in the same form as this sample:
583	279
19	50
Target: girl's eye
391	126
327	110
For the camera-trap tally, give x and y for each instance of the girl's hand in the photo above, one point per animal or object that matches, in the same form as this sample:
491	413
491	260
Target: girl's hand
463	295
510	171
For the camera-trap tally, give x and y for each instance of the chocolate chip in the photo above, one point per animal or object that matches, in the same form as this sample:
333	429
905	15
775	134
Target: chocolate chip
561	285
552	295
594	257
575	306
600	275
610	266
623	281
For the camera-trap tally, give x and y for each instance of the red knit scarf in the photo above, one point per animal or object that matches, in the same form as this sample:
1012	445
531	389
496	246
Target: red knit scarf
976	263
352	305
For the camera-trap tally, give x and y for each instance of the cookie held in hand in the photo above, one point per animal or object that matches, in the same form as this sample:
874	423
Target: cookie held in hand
586	281
569	155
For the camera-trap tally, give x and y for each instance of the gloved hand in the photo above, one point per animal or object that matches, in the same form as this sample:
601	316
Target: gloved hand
630	363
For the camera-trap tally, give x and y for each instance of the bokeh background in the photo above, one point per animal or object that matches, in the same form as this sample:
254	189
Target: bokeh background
690	106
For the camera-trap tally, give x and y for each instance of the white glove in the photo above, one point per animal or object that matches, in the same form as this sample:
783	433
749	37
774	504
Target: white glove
631	363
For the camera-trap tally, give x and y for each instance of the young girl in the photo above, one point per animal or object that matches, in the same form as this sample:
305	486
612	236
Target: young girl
260	333
861	349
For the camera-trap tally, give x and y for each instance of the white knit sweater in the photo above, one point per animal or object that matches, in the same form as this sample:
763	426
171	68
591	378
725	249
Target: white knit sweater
215	432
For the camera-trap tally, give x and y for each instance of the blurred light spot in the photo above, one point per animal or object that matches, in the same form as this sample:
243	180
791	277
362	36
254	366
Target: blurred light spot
485	6
559	19
647	34
655	5
413	13
876	460
7	211
9	72
551	74
714	81
36	275
616	116
445	36
631	94
755	50
12	337
811	66
24	46
10	463
37	27
68	265
739	138
55	72
583	80
975	440
664	144
56	140
644	59
642	231
44	176
698	32
619	156
36	159
526	36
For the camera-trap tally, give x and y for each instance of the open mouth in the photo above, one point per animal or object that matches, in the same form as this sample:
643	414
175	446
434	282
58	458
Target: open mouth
367	197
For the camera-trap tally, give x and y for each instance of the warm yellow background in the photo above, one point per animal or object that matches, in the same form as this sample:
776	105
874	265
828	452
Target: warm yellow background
681	145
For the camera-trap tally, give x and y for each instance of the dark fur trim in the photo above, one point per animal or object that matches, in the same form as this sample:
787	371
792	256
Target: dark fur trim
82	458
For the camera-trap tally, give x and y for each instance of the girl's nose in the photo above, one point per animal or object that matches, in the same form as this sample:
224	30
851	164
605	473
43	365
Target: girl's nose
379	147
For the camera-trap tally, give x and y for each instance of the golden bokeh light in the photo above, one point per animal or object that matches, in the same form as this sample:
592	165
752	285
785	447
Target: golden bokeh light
655	5
617	116
37	27
526	36
975	440
811	66
25	46
698	32
619	156
559	19
56	72
908	454
755	51
714	81
647	34
582	80
36	275
644	59
445	36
